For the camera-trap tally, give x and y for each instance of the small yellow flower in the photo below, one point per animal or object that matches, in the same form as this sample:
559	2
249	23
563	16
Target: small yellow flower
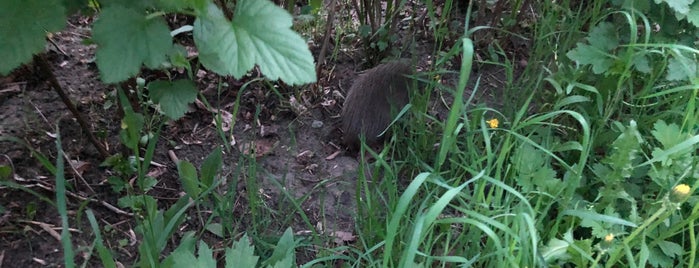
609	238
493	123
607	241
680	193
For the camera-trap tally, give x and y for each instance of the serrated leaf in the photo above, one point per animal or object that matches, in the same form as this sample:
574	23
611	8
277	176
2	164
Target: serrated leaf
127	39
658	259
184	256
681	69
259	34
603	36
641	63
188	177
211	166
241	254
670	249
679	6
625	150
667	135
693	14
23	27
586	54
173	97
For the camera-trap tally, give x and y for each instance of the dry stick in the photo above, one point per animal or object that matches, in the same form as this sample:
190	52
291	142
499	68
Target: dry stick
326	41
46	69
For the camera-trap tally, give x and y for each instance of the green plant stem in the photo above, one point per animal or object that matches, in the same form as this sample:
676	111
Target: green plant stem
614	256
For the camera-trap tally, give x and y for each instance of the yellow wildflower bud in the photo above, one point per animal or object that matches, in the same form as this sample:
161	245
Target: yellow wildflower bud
493	123
680	193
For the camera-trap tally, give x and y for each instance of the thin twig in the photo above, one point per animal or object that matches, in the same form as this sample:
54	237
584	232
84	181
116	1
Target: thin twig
326	41
46	69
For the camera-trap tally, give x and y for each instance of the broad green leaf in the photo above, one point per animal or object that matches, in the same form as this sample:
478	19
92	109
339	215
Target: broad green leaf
641	63
586	54
679	6
259	34
173	97
211	166
23	27
182	5
183	256
284	249
206	256
127	39
131	126
667	135
658	259
241	254
693	14
603	36
681	69
188	177
670	249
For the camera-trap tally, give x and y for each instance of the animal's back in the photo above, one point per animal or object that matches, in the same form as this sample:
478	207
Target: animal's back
373	100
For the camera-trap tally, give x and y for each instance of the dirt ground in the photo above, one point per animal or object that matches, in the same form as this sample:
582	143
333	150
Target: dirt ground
297	150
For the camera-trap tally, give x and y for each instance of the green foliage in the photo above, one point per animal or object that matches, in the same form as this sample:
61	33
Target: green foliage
173	97
259	34
23	27
131	34
240	254
128	39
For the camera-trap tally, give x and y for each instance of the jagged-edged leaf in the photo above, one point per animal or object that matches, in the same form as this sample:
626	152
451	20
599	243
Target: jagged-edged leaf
23	27
241	254
693	14
127	39
604	36
681	69
173	97
679	6
261	34
586	54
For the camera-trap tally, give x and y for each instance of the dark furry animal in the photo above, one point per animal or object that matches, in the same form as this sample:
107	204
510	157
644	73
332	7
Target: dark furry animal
373	100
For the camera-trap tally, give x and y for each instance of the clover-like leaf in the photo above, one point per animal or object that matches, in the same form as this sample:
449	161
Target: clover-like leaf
23	27
173	97
127	39
261	34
